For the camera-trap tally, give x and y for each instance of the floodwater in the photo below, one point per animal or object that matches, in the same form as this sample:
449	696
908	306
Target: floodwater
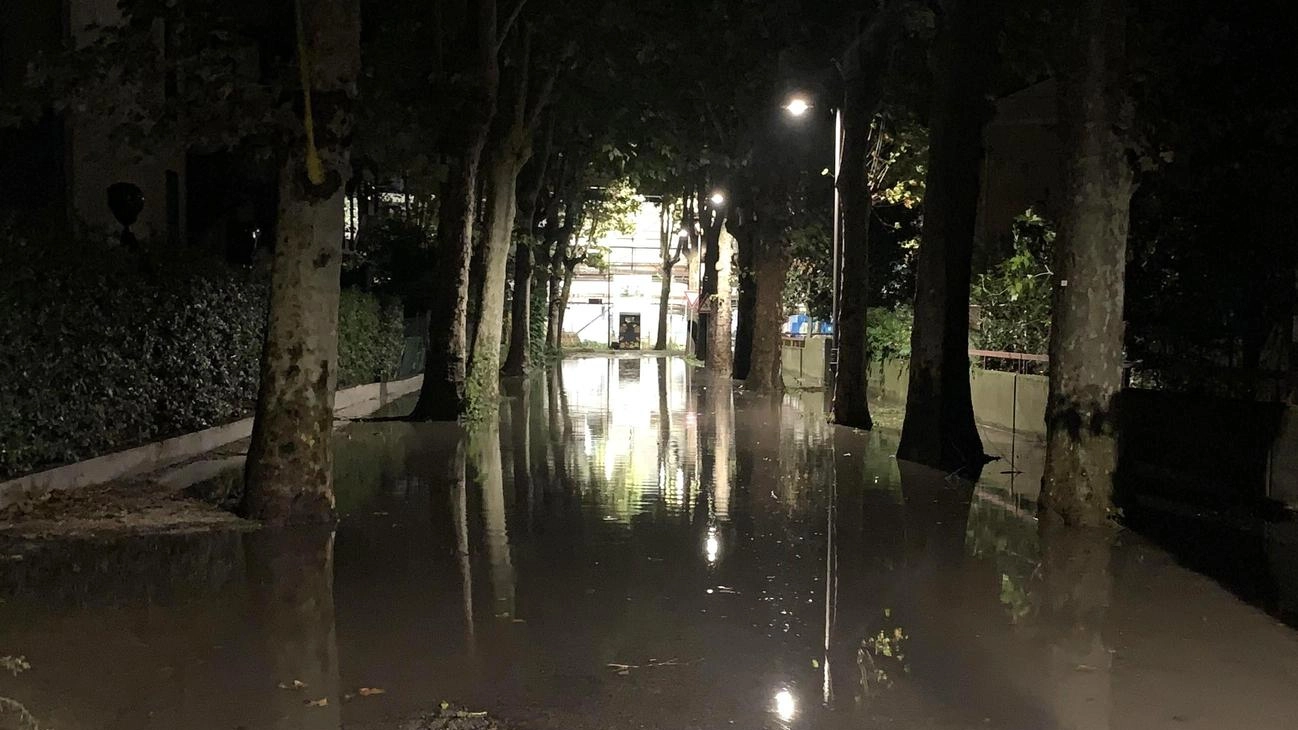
639	546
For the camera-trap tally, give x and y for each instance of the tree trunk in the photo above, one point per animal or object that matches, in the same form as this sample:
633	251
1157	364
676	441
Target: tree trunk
441	396
865	66
520	315
939	428
554	328
851	406
669	261
289	471
564	293
664	301
770	268
519	358
720	355
747	303
1086	337
712	222
483	388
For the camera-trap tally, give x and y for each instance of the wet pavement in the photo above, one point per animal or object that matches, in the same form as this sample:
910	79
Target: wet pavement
639	546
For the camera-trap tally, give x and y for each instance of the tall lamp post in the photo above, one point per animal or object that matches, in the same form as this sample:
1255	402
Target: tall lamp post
798	106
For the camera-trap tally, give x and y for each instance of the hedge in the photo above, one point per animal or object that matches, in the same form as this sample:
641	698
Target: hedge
102	350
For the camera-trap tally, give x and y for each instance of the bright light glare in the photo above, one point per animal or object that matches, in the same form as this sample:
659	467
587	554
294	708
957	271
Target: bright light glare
712	546
785	706
718	198
683	233
797	106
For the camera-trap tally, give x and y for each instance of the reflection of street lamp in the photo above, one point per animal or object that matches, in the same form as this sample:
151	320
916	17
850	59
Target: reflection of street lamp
785	705
798	106
712	546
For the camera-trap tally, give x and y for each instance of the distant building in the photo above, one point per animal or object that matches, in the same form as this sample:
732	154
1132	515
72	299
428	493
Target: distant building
632	285
62	165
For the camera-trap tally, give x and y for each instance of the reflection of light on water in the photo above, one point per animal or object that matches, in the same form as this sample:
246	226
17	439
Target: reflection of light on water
712	546
785	705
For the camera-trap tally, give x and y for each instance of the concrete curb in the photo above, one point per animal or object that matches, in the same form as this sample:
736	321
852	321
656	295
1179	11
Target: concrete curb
350	403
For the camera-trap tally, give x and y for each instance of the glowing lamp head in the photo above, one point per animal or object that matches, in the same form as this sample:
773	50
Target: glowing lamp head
718	198
797	106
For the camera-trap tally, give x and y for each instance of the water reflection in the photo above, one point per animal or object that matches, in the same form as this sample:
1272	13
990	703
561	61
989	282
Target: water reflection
638	545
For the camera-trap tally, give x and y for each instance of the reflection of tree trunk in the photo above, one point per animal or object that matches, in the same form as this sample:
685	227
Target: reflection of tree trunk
936	514
1076	591
292	579
521	445
484	454
723	432
289	470
939	427
455	476
1086	334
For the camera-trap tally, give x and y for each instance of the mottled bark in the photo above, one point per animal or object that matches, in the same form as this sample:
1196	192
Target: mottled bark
442	396
720	356
1086	338
770	268
746	301
483	386
939	428
289	472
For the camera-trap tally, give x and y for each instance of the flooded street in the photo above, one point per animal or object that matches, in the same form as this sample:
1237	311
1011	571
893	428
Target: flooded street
640	546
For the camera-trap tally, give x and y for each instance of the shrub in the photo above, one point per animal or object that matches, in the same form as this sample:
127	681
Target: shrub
370	338
103	350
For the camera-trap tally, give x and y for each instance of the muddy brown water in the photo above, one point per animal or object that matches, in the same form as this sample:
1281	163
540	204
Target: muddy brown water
639	546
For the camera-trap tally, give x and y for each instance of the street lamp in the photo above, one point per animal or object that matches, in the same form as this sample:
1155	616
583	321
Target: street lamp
718	198
798	106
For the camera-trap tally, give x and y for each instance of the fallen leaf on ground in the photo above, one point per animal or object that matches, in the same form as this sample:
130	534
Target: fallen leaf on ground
322	702
297	684
367	691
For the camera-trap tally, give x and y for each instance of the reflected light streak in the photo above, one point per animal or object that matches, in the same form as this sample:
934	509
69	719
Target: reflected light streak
712	545
785	705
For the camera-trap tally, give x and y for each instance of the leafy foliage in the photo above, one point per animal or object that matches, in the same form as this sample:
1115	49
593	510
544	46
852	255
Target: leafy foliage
139	347
370	338
809	284
1014	298
887	333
